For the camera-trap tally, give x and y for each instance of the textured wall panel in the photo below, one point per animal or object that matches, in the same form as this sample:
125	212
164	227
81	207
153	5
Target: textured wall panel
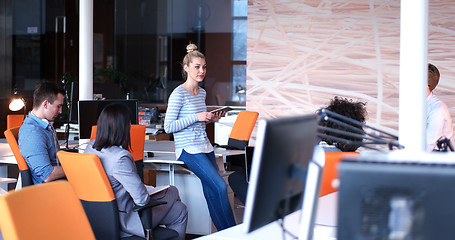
302	53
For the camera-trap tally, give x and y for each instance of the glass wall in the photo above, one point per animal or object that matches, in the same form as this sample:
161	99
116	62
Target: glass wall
239	31
138	45
150	40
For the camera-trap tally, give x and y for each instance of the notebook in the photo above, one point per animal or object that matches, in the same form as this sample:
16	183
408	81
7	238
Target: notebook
154	190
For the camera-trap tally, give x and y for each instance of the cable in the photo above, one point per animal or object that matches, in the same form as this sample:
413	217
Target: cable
360	138
326	113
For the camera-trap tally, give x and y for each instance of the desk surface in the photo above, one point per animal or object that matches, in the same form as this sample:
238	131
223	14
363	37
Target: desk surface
325	227
169	147
6	155
162	157
163	150
224	152
159	146
7	180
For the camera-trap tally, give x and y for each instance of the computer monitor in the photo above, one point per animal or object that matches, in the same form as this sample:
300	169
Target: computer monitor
283	171
109	91
395	199
89	110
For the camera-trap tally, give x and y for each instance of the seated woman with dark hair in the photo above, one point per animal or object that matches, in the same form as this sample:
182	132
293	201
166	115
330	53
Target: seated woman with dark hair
111	146
348	108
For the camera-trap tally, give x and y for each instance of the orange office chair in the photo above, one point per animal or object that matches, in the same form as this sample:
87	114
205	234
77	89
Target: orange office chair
11	136
14	120
137	136
241	131
86	174
46	211
330	171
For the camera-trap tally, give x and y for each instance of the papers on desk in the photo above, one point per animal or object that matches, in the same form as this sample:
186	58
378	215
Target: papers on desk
153	131
154	190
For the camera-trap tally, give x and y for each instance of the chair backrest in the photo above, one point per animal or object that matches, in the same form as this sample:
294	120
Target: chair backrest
11	136
88	178
45	211
137	137
242	129
14	120
330	171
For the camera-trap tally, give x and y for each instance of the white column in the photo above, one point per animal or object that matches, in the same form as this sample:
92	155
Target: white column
413	74
86	50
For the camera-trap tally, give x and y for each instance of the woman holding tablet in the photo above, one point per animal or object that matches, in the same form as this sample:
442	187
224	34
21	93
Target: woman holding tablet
186	117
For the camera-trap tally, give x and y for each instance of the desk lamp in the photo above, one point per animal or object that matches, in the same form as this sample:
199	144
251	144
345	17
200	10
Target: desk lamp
18	103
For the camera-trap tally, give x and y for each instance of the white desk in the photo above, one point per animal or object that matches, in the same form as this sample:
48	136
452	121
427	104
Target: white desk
159	146
160	161
73	134
164	155
189	185
6	155
222	152
6	158
325	227
169	147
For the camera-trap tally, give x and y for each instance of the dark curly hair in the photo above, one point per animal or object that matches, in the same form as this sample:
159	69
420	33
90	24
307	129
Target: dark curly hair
347	108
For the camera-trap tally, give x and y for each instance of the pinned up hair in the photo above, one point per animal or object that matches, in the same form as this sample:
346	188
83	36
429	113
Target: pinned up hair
192	52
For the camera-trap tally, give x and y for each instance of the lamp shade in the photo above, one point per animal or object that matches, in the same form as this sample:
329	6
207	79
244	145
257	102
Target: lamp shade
16	105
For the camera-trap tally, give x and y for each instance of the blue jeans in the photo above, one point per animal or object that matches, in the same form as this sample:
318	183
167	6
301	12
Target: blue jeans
214	187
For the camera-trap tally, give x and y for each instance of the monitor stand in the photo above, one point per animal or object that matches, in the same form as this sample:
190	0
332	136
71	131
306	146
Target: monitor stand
311	194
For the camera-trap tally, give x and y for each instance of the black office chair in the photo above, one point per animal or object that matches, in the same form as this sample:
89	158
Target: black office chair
88	178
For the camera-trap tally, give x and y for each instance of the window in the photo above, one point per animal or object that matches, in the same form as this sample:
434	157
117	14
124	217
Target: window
239	36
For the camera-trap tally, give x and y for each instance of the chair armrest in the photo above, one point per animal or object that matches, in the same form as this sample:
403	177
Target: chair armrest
150	204
145	212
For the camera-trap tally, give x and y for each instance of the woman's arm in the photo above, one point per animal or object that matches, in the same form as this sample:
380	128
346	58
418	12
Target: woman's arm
125	173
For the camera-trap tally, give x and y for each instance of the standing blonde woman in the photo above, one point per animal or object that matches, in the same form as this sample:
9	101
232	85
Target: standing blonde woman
186	118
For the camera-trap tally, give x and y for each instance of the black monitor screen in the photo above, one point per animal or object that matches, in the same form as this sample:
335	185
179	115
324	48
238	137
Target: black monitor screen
89	111
389	199
282	155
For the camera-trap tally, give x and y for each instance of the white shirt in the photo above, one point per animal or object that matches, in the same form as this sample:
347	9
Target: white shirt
439	122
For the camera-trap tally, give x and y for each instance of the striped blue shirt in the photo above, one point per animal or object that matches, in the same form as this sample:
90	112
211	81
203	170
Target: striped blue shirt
189	133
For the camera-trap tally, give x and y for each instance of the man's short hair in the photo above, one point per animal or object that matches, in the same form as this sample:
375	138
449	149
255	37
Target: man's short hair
46	91
433	76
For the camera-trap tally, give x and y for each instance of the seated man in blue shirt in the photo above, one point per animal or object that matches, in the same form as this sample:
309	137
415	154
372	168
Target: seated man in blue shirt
38	142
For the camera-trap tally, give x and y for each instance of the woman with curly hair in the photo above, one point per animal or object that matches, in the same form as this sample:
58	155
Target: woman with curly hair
348	108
